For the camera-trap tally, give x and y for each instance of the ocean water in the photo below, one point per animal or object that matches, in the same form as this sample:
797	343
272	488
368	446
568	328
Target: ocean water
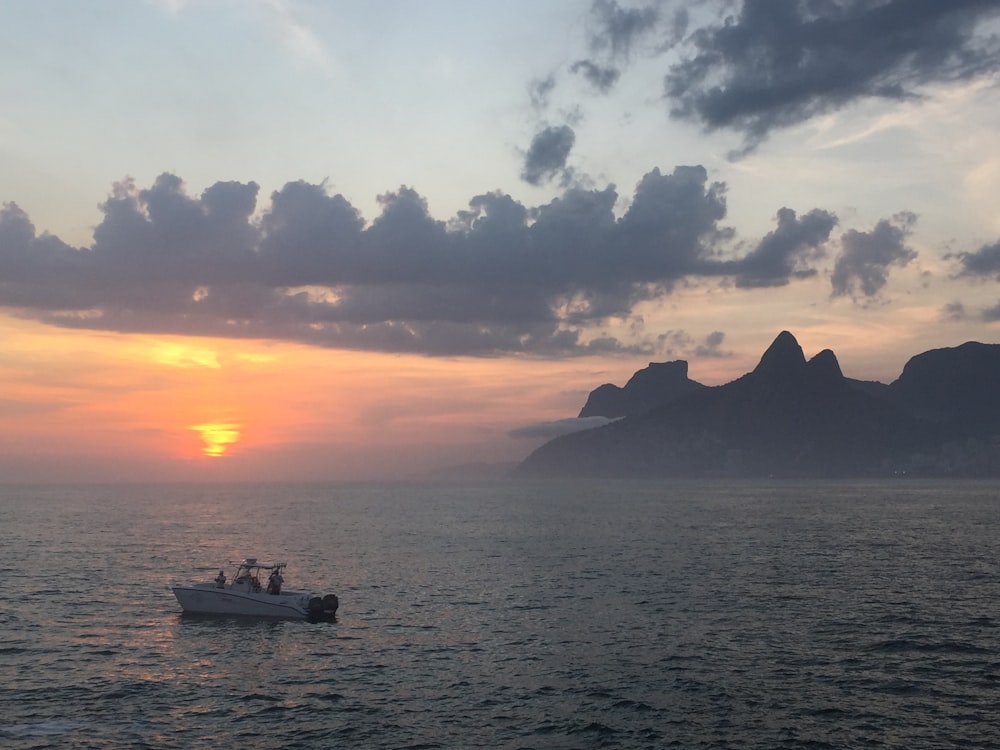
604	614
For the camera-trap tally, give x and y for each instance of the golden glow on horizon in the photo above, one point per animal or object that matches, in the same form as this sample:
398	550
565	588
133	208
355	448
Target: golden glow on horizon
256	359
184	355
217	437
98	405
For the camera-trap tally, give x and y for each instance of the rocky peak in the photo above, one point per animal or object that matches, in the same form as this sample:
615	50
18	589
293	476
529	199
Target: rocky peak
782	359
825	368
660	373
651	387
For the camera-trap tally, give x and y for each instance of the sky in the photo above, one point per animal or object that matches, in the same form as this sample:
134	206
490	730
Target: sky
269	240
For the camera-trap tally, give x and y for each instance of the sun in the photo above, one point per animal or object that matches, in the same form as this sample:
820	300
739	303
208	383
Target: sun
217	437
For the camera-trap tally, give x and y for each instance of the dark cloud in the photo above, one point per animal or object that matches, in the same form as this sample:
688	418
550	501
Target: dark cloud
499	277
616	29
679	344
983	262
954	311
676	27
678	212
162	234
546	157
600	77
614	32
862	268
786	253
992	314
675	344
712	346
775	64
25	257
549	430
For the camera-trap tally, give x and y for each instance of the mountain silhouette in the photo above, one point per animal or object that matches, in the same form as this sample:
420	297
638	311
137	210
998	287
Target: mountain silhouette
796	417
958	387
654	386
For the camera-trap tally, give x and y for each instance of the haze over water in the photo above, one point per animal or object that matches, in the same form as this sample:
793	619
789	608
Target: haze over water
607	614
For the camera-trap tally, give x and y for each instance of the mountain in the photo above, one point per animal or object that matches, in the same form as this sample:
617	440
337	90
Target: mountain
956	387
654	386
793	417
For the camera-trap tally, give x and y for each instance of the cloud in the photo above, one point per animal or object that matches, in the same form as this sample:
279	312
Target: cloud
992	314
679	344
614	32
540	90
953	311
35	271
498	278
776	64
546	157
862	268
616	29
785	253
983	262
549	430
601	78
665	225
711	347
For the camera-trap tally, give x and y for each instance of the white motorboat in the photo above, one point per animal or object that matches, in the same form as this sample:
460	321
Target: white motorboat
255	590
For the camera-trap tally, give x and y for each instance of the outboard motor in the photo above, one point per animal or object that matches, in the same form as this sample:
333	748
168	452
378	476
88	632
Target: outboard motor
330	604
323	609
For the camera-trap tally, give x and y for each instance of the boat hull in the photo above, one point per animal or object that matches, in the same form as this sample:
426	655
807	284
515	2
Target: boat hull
212	600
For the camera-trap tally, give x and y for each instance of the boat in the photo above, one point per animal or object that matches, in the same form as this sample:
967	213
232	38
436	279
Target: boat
255	590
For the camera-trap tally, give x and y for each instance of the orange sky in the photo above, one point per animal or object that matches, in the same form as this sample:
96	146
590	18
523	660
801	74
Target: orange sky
92	406
107	407
568	202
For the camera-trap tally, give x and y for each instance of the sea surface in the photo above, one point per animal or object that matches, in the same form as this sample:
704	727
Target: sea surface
598	614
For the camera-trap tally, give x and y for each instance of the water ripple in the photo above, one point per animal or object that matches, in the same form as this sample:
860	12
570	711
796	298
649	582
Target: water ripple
576	615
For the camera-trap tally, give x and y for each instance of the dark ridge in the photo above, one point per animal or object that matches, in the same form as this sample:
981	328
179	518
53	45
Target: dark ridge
958	386
790	417
652	387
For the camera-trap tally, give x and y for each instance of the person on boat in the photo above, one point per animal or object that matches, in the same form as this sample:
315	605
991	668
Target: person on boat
274	582
220	580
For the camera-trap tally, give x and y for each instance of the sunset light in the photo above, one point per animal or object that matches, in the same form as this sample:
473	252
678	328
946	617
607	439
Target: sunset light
405	281
625	371
179	355
217	437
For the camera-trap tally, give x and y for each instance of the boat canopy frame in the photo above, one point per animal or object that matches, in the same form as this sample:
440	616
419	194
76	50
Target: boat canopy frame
248	572
251	563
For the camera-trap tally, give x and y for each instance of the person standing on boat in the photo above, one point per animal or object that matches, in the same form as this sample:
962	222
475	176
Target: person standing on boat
220	580
274	582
